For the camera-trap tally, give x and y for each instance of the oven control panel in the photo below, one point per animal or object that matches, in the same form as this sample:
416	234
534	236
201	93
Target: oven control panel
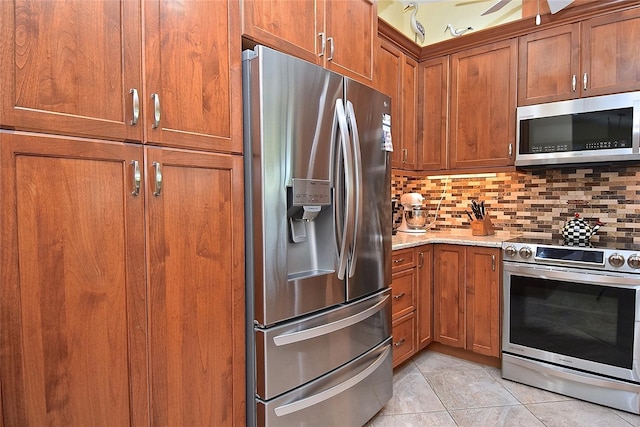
607	259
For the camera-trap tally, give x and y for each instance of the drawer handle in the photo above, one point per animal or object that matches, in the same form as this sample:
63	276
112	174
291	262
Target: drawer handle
399	260
399	343
400	295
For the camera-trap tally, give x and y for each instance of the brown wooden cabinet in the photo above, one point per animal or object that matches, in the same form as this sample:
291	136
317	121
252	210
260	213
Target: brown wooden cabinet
483	106
396	76
339	35
467	298
403	304
412	303
424	296
433	113
76	68
598	56
116	282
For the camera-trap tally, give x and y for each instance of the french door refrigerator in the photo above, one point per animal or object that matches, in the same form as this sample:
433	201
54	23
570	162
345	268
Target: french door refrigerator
318	227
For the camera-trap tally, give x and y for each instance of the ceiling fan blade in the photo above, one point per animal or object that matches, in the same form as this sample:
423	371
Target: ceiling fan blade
558	5
496	7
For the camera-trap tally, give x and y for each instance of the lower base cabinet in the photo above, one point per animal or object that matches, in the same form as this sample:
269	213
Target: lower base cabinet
412	303
467	306
122	290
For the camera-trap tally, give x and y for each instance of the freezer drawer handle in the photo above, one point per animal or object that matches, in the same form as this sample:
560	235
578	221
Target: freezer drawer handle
333	391
329	328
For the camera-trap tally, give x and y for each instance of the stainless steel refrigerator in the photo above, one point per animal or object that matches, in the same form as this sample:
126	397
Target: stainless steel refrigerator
318	227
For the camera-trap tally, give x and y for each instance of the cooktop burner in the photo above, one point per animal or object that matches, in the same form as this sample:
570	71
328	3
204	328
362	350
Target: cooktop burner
607	256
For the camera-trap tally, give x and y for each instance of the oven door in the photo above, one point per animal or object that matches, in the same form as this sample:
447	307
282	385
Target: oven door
581	319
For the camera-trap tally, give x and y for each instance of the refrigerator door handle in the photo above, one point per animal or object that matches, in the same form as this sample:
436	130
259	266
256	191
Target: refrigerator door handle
347	215
333	391
307	334
357	193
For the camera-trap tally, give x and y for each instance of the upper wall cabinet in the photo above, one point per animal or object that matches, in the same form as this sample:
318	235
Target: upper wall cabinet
71	67
433	109
339	35
193	74
598	56
482	112
396	75
76	68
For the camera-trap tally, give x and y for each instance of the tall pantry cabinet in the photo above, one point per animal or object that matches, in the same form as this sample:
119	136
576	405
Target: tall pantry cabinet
121	257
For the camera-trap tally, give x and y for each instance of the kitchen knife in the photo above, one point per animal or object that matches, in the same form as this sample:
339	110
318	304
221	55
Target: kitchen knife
482	211
469	215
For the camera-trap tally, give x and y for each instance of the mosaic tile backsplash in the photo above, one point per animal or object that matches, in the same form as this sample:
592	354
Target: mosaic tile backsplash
537	201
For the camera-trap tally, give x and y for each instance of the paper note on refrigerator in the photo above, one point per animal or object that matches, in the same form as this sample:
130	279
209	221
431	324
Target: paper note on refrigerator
387	145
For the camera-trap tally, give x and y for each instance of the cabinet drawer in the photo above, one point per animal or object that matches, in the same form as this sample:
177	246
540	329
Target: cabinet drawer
402	259
403	335
403	287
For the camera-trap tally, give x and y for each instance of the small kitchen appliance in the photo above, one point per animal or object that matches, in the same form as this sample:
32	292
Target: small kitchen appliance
571	319
414	215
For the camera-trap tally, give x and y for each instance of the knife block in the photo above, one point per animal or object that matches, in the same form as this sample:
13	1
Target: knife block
482	227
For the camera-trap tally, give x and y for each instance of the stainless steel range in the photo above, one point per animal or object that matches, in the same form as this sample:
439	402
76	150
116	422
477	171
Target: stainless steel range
571	319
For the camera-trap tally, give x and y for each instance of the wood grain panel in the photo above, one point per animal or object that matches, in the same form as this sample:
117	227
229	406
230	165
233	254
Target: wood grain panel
193	63
196	287
73	296
388	73
68	67
483	308
449	294
424	295
433	113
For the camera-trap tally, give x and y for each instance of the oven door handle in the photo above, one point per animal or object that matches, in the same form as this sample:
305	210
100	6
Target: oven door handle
584	377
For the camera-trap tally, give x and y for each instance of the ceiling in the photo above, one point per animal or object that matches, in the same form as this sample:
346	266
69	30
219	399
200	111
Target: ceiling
434	15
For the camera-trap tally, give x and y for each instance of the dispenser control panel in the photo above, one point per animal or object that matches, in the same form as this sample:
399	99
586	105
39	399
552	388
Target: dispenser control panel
313	192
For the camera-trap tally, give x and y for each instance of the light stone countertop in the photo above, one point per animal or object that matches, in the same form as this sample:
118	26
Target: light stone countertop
457	236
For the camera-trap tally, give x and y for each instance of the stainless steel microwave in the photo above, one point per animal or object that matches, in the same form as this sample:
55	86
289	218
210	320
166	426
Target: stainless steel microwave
598	129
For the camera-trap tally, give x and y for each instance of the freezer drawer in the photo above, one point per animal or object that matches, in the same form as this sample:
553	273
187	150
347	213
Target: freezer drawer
295	353
348	396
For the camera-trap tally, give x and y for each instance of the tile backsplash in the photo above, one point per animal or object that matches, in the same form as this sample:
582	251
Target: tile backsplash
537	201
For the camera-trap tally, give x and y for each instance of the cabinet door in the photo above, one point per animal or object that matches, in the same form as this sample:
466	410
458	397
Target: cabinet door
403	291
548	68
409	101
193	75
72	294
196	288
424	300
67	67
434	83
483	300
483	106
388	79
610	53
449	295
288	26
353	27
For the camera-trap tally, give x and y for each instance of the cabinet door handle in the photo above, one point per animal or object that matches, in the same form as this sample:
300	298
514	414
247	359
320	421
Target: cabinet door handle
574	83
158	178
405	154
585	80
136	106
331	48
493	262
398	261
421	256
510	149
400	295
323	44
136	178
156	110
399	343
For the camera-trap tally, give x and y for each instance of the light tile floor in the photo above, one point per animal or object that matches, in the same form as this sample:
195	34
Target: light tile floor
434	389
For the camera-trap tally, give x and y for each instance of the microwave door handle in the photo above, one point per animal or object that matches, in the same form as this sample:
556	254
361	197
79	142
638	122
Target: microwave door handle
357	194
333	391
343	214
635	133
